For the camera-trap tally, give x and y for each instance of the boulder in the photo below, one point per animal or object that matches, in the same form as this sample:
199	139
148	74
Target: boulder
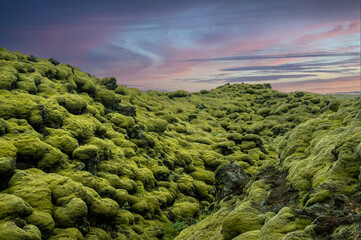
230	179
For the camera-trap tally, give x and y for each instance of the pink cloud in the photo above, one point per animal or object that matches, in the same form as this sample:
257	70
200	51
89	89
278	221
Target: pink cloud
338	30
340	84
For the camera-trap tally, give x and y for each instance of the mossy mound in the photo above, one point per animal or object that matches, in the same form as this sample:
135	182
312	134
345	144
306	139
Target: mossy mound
84	158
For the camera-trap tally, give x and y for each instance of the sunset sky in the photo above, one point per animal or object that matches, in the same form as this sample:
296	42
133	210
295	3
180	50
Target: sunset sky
296	45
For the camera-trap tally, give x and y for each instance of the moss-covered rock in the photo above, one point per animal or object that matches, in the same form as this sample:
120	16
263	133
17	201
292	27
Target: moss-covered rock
278	226
61	140
8	80
121	121
18	230
243	219
66	233
178	94
158	162
250	235
204	176
36	192
88	154
109	82
107	97
43	221
71	213
13	206
157	125
75	104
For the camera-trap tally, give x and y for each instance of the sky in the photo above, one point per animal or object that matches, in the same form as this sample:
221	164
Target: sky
166	45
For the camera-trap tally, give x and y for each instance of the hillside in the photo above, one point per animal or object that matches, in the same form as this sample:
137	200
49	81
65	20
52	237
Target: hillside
85	158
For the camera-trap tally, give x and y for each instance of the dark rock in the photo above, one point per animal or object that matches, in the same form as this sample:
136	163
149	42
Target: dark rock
230	179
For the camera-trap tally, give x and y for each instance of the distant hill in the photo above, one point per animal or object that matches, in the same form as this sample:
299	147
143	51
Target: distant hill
86	158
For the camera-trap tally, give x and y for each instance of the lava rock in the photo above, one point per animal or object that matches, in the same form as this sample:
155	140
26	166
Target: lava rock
230	179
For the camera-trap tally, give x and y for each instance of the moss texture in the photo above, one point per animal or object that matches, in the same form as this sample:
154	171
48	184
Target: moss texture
85	158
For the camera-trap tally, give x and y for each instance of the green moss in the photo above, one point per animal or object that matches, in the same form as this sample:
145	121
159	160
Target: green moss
52	159
178	94
212	159
161	173
13	206
73	103
86	152
186	185
204	176
258	191
9	230
26	83
81	127
55	114
318	197
35	191
121	121
106	97
43	221
64	189
125	217
30	149
203	191
104	208
243	219
153	158
124	199
15	105
66	233
97	233
140	207
7	80
245	145
84	84
109	82
278	226
250	235
301	223
3	126
182	210
8	150
71	213
122	90
225	148
157	125
236	137
61	140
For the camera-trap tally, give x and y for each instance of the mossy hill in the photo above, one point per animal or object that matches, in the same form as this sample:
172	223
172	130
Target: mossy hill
86	158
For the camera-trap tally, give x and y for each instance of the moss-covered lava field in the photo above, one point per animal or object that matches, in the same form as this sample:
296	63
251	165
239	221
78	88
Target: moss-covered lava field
86	158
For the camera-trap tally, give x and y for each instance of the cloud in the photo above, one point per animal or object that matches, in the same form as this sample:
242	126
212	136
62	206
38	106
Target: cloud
330	85
275	56
149	43
300	67
263	78
336	31
111	58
